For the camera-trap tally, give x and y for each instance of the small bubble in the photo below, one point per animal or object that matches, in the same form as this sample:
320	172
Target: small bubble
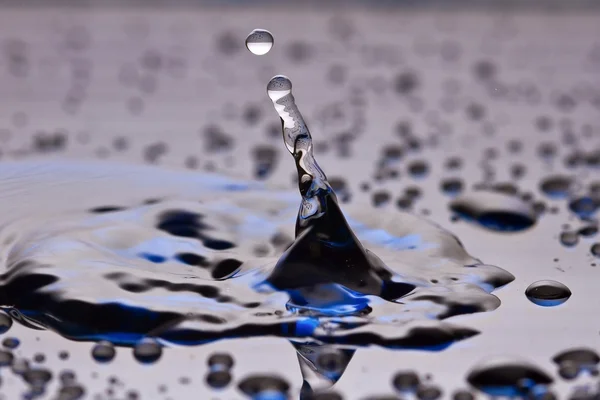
103	351
547	293
259	42
147	351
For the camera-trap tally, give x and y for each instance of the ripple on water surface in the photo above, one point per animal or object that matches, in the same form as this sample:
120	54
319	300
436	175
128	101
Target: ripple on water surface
185	269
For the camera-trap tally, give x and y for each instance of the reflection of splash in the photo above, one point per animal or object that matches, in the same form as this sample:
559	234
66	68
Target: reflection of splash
88	275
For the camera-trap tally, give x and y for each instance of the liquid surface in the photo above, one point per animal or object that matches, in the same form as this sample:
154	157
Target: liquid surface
159	268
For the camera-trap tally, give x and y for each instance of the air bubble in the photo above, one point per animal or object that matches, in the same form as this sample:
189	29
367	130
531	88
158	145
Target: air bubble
259	42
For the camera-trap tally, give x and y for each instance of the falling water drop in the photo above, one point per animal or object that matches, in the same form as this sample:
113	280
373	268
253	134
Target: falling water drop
547	293
259	42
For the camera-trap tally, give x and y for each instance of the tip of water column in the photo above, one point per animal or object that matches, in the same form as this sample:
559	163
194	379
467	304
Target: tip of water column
279	86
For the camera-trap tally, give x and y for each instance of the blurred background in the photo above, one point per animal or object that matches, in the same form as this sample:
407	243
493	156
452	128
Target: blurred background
172	83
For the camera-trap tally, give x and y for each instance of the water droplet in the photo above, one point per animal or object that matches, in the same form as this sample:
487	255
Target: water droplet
103	351
71	392
223	360
20	366
147	351
547	293
584	206
495	211
10	342
557	186
5	322
588	231
502	376
406	381
6	358
568	370
451	186
463	395
259	42
569	239
595	249
583	358
37	376
218	379
418	169
264	386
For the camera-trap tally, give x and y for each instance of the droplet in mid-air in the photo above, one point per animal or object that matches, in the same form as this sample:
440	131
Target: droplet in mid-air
547	293
259	42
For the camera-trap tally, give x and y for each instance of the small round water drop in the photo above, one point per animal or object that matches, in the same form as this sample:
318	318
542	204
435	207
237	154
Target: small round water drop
218	379
5	322
6	358
264	386
502	376
547	293
595	249
11	342
569	238
259	42
557	186
103	351
406	381
222	360
147	351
